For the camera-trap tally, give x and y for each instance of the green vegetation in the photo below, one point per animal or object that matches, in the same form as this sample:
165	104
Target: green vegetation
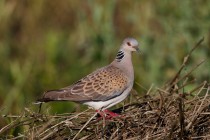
47	44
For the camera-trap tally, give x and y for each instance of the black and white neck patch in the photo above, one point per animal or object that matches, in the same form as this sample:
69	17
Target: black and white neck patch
120	56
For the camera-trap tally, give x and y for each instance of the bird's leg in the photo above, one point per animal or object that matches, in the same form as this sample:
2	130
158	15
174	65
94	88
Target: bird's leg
102	116
106	114
111	114
101	113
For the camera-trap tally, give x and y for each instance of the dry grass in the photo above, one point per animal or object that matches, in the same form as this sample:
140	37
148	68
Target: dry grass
162	113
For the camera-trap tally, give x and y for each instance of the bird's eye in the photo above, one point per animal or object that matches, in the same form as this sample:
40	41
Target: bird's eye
128	43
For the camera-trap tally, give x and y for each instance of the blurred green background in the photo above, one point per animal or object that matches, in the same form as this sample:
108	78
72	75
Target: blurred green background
49	44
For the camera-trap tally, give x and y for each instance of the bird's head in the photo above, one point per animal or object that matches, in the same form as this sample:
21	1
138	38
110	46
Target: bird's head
130	44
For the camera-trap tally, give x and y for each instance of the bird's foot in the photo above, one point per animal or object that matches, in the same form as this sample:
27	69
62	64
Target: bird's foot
107	114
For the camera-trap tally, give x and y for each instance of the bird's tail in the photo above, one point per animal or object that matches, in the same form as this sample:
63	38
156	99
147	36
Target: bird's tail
51	95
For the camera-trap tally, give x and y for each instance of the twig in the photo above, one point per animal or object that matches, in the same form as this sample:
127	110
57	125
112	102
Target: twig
173	126
198	87
84	126
181	117
194	68
141	86
186	83
161	100
161	90
149	89
186	58
13	124
50	133
62	122
201	137
197	112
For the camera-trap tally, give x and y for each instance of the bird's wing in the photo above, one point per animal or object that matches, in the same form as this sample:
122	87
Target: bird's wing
103	84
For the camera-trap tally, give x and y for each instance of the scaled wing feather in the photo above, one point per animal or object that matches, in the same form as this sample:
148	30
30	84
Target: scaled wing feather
103	84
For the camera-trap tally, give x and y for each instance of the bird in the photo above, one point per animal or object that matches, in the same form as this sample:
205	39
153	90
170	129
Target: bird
104	87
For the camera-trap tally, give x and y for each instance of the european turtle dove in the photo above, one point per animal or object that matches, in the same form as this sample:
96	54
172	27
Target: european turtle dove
104	87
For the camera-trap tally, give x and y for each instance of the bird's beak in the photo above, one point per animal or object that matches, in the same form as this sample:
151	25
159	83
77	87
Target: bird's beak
137	49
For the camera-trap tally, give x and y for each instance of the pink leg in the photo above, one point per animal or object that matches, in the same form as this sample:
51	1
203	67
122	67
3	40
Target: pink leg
107	114
101	113
111	114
